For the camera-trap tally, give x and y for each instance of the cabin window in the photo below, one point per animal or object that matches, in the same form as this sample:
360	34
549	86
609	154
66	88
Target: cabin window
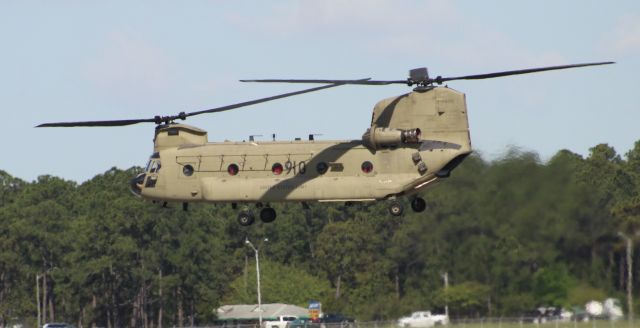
187	170
322	168
277	168
233	169
367	167
154	166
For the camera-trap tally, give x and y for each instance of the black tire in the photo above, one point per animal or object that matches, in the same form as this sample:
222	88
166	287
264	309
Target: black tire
418	204
267	214
396	208
245	218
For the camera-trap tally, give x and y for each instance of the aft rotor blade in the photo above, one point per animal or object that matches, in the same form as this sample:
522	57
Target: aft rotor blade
261	100
321	81
429	81
515	72
95	123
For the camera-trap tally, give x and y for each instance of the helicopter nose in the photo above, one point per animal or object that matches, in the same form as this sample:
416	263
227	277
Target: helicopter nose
136	184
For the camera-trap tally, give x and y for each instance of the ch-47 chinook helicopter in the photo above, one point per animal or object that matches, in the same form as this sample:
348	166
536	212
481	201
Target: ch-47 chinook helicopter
414	140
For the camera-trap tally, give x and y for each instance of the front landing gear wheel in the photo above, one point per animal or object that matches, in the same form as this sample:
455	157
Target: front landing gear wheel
267	214
245	218
418	204
396	208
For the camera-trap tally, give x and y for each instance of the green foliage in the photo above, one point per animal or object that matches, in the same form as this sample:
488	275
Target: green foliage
581	293
467	298
551	285
520	303
511	235
279	284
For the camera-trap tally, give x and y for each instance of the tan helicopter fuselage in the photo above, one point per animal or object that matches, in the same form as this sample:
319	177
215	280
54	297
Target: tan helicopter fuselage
414	140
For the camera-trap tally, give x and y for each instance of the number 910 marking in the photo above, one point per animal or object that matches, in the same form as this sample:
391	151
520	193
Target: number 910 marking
295	167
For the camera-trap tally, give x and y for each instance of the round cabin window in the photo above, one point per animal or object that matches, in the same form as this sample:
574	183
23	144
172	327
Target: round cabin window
322	168
367	167
187	170
277	168
233	169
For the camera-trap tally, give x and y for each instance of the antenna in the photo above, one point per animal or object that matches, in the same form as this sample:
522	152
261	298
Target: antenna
313	135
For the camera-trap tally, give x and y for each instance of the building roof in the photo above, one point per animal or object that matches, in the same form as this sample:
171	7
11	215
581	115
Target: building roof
250	311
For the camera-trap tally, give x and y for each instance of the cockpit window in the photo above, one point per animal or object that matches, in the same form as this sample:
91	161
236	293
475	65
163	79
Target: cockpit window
154	163
153	166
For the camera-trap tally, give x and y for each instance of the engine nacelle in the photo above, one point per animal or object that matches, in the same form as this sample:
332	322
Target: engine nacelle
376	137
174	135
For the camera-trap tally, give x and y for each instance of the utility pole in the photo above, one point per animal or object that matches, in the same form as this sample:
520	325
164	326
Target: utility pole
445	276
629	276
258	279
38	297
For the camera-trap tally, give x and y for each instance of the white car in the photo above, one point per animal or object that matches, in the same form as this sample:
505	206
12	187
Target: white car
280	321
57	325
610	309
423	319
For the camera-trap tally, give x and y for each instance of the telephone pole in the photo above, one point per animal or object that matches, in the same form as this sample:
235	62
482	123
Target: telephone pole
246	241
629	276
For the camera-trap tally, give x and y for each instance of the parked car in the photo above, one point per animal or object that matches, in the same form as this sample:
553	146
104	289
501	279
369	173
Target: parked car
580	314
609	309
302	323
333	320
533	316
613	309
423	319
547	314
57	325
280	321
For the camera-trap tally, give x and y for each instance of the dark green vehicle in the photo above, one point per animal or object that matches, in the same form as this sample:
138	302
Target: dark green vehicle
302	323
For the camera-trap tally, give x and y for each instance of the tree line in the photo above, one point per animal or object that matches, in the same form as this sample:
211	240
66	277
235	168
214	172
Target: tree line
510	234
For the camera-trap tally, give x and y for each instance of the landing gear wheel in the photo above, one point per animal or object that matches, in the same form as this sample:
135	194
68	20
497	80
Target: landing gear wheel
418	204
267	214
396	208
245	218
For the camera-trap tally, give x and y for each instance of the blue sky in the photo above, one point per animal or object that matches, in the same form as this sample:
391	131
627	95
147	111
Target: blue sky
94	60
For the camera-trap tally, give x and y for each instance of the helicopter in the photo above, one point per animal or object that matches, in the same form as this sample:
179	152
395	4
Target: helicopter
414	141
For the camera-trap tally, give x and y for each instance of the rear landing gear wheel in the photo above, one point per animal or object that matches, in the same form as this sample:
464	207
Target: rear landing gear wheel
245	218
418	204
267	214
396	208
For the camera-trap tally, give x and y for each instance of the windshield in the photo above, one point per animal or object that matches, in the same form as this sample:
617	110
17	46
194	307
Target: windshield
153	166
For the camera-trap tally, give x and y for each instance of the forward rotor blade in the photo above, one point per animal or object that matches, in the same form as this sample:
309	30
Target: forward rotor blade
261	100
95	123
515	72
166	119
